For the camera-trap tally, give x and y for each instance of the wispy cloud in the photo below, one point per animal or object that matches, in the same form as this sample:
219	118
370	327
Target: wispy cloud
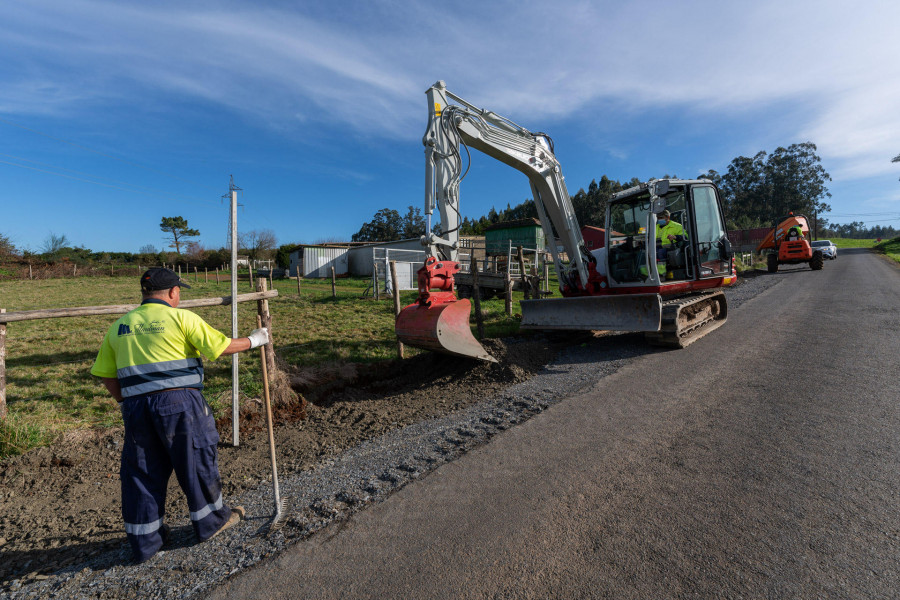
363	69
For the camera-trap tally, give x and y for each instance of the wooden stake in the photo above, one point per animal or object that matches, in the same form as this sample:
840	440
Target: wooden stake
262	310
508	287
74	270
333	288
2	368
395	289
546	277
298	279
217	277
30	276
250	270
476	296
206	274
196	275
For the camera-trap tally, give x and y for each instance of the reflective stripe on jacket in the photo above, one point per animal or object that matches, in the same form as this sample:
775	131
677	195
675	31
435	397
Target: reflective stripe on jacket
156	347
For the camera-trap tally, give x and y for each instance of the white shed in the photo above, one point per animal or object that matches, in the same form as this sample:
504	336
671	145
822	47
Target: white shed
316	261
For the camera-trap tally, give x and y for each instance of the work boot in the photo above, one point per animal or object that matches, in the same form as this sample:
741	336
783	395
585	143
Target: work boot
237	514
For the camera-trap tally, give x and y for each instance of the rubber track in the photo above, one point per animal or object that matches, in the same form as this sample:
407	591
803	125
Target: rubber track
678	328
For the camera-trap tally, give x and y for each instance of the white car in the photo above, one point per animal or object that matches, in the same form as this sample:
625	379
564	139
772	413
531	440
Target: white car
828	249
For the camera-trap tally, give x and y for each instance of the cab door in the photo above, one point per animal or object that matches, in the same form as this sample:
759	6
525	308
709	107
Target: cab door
711	245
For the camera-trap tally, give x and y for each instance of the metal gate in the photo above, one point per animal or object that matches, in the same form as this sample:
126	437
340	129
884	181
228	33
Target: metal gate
407	263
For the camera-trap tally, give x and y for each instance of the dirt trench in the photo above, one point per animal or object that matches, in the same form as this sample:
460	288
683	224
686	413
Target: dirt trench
60	505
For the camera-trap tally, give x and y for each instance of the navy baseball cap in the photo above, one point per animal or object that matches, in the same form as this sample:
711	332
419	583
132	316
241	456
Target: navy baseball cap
158	278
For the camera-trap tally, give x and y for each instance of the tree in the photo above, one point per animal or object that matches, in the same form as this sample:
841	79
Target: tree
148	249
385	226
177	228
760	189
54	243
413	224
7	248
259	243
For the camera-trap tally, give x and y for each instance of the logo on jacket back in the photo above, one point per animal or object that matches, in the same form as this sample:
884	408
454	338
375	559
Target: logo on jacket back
124	329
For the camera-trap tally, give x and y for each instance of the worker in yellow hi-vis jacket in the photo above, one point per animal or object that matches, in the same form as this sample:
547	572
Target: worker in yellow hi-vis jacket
150	363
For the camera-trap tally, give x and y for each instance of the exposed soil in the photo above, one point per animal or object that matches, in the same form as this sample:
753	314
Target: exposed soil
61	504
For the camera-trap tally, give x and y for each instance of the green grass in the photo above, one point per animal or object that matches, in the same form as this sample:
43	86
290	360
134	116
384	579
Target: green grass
890	248
50	389
852	243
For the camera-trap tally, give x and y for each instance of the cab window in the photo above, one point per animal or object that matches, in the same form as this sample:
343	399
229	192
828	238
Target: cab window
628	258
710	234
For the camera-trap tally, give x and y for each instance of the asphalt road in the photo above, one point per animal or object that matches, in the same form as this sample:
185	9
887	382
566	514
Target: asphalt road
761	462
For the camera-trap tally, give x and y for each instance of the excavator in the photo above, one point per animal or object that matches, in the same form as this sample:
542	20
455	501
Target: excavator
670	289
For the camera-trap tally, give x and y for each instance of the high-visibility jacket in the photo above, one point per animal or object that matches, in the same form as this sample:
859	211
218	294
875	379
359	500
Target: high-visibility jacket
156	347
670	228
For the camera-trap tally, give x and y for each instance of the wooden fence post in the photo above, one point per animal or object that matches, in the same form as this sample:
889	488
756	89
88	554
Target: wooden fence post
271	278
333	288
250	270
298	279
546	277
74	270
179	271
196	275
217	276
2	368
476	296
30	276
508	287
395	289
206	274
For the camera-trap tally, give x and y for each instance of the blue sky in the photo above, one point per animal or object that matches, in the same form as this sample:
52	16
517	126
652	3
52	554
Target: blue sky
115	114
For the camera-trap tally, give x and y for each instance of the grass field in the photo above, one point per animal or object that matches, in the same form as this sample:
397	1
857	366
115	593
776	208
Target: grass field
50	389
852	243
891	248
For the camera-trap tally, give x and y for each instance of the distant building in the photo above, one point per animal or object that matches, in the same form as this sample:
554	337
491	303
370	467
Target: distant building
528	233
594	237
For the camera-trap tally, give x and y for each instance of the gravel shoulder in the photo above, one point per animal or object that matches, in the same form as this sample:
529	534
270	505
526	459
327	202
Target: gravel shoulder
370	431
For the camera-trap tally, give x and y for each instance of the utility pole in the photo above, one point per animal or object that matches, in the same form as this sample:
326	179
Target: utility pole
235	389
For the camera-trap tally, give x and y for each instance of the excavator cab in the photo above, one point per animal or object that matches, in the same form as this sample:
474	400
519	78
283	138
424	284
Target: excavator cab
640	252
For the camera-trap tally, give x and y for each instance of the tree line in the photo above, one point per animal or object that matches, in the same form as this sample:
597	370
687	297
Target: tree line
755	190
56	248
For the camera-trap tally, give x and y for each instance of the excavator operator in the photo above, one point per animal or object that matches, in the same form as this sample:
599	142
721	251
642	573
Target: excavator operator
666	230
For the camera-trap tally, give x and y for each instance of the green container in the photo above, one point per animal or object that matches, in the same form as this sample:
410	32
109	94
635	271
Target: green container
497	239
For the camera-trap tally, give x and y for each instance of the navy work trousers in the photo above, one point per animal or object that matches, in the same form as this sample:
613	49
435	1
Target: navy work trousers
168	431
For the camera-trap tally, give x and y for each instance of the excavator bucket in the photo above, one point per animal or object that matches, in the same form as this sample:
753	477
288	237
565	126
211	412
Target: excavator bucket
635	312
442	328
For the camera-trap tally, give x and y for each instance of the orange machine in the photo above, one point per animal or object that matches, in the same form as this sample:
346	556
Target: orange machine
787	248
